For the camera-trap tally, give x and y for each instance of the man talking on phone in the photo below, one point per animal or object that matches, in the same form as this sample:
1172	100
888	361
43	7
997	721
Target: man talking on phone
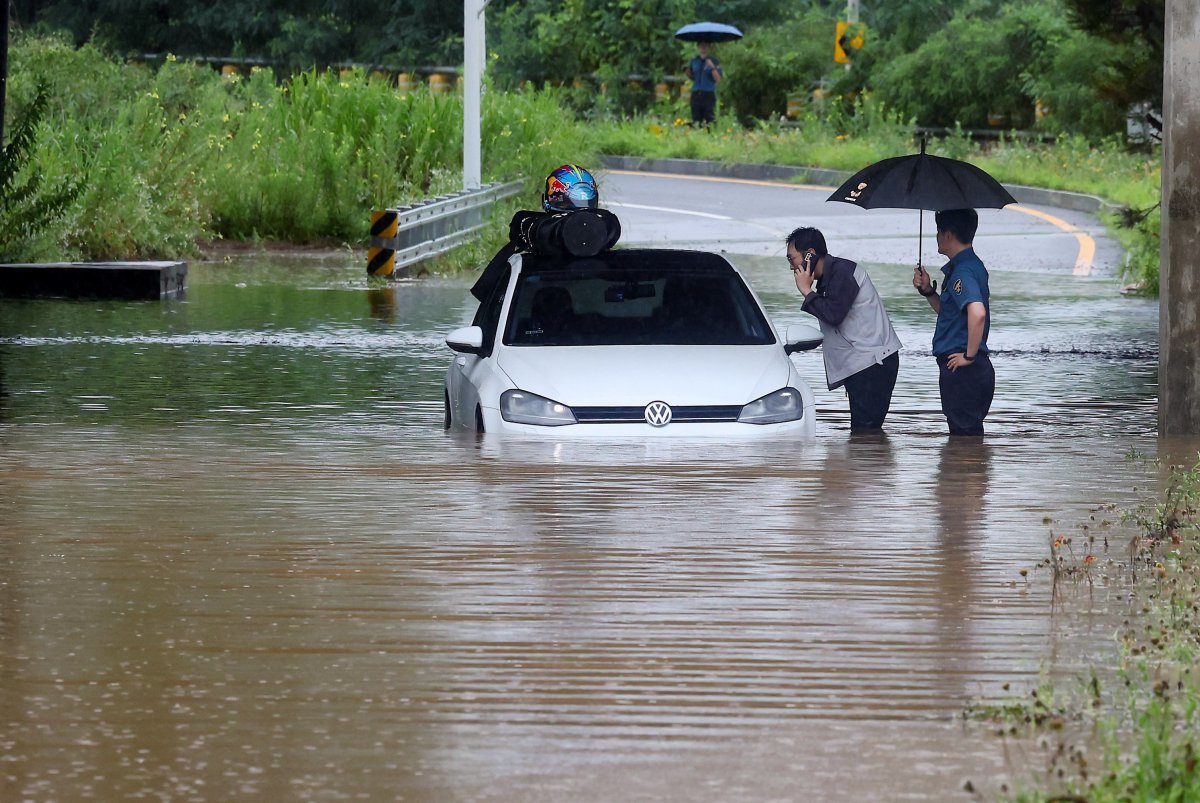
861	350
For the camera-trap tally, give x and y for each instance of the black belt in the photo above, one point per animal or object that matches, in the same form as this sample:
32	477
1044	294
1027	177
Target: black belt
942	358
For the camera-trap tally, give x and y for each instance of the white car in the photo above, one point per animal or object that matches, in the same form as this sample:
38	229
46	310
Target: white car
632	342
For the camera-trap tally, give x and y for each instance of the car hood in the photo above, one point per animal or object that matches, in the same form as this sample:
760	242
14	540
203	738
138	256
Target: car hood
603	376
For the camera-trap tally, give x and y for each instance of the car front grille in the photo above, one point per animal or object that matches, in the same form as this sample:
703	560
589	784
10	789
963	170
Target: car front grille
704	414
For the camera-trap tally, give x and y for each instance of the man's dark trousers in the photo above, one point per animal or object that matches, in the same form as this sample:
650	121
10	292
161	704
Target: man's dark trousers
967	394
704	106
870	392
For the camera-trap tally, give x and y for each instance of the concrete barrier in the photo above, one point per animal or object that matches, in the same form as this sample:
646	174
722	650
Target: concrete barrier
138	280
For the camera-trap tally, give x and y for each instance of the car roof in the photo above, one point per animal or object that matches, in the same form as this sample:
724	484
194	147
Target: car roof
661	259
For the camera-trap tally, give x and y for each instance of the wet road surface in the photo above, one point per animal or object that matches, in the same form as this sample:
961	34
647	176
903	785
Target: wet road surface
240	559
753	217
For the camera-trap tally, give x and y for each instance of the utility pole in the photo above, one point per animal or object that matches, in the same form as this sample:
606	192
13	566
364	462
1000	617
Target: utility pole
1179	285
473	59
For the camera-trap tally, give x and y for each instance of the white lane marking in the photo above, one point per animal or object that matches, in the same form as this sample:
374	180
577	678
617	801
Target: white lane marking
667	209
724	180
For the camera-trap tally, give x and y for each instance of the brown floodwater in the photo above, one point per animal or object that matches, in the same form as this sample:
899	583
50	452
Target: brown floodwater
240	559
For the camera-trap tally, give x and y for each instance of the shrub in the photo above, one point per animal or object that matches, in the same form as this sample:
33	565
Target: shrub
786	59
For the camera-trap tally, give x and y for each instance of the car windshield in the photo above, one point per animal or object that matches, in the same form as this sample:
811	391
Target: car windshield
630	297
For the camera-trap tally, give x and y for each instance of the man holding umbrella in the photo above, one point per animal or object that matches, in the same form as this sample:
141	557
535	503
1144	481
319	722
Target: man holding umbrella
954	189
704	70
966	380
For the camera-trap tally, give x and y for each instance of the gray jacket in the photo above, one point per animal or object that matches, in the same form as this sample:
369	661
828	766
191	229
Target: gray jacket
858	332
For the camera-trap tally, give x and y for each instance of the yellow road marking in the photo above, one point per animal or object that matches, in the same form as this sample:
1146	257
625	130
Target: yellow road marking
1087	246
1083	260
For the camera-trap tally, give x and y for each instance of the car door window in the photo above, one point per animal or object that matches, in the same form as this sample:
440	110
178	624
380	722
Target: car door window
487	317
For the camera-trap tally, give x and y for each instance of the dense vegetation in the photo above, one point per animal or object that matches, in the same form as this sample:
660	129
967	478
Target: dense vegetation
941	62
177	155
170	155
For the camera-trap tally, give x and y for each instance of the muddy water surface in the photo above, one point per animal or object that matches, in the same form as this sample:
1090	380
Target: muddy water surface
240	559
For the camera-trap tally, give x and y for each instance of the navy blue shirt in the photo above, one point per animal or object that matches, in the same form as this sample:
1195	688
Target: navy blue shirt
702	80
966	280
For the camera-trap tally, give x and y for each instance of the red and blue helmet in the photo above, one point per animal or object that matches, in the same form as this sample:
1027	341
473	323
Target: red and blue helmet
570	187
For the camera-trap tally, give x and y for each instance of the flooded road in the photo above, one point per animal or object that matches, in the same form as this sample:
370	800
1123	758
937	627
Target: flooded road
239	559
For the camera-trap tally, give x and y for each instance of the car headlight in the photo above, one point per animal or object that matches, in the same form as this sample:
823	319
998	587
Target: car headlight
783	405
519	407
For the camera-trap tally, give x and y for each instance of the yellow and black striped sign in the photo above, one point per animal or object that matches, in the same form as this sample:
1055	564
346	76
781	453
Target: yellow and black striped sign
382	261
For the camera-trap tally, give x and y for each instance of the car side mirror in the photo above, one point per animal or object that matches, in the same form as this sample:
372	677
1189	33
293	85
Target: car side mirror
468	340
801	337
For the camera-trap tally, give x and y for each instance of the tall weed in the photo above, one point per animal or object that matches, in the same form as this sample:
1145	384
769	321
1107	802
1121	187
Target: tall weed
177	154
30	206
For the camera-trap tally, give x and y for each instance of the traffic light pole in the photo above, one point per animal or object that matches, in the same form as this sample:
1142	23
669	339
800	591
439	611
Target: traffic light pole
1179	277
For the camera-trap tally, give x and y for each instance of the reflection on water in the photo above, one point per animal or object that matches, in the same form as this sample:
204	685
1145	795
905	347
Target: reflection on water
238	556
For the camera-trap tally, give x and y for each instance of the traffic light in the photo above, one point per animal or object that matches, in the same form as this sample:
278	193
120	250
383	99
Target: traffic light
849	40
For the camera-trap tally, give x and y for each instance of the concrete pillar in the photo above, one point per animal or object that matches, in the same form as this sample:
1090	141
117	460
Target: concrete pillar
1179	300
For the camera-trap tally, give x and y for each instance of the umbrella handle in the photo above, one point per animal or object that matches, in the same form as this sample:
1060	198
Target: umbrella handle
920	234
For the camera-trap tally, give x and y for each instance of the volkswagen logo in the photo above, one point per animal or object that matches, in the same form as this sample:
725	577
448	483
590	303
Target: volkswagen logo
658	414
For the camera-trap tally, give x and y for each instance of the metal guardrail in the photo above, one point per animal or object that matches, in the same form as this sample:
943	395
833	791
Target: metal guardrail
410	234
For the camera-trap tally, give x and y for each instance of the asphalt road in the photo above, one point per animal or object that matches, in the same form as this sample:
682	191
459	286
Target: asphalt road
753	217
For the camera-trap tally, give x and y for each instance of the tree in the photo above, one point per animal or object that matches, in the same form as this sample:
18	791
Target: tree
1137	27
788	57
999	60
292	33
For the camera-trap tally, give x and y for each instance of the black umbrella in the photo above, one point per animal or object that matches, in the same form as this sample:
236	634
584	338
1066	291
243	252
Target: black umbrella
708	32
921	181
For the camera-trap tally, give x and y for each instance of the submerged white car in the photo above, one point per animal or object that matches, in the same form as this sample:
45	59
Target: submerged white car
632	342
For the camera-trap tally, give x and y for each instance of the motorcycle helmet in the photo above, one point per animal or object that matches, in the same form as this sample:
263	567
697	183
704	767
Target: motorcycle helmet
568	188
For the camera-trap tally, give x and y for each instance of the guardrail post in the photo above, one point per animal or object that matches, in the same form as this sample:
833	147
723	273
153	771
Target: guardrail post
382	261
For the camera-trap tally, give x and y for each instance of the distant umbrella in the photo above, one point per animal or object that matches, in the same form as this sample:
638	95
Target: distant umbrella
708	32
921	181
